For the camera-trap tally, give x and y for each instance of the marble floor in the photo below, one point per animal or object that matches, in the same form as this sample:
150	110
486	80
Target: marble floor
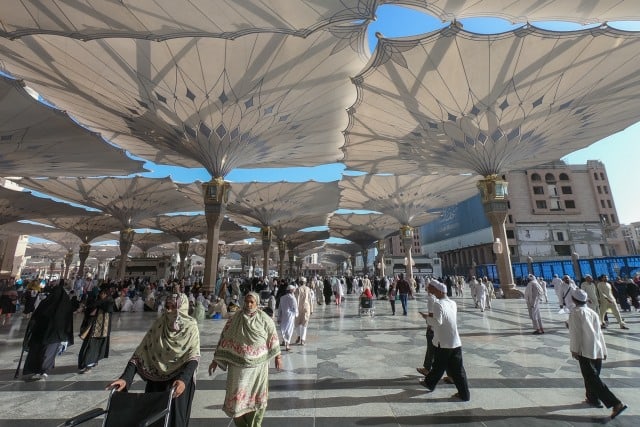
360	371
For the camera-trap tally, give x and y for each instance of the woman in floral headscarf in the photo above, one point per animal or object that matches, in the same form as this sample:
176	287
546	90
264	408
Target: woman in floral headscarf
247	342
168	357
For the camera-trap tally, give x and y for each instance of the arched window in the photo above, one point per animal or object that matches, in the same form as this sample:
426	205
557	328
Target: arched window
549	178
535	177
564	177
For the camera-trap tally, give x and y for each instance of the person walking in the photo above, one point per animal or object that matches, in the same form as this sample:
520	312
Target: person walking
533	295
49	330
305	309
447	344
247	343
288	311
481	295
95	331
168	357
587	346
430	353
405	290
590	287
392	297
608	302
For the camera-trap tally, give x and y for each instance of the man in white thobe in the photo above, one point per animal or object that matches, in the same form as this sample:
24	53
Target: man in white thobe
287	313
533	295
305	309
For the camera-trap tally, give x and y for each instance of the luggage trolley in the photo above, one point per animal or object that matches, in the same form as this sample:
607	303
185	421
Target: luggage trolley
130	409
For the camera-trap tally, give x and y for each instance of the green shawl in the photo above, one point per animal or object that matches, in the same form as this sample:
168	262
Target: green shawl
169	344
247	340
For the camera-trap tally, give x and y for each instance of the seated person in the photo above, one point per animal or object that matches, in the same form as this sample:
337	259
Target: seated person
233	305
218	307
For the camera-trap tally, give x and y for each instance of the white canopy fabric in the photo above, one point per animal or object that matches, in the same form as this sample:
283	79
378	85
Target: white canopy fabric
87	227
275	204
187	227
24	229
363	229
262	100
18	205
146	241
412	200
455	101
582	11
127	199
36	140
163	19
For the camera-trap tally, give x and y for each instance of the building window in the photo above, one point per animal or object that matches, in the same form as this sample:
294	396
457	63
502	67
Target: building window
605	189
609	204
510	219
560	236
569	204
564	177
602	176
613	219
595	176
510	234
542	204
599	190
535	177
555	205
527	233
549	177
563	250
538	189
567	190
602	203
508	204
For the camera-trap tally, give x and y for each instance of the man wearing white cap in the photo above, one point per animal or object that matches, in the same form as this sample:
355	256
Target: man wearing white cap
287	313
305	308
430	353
589	286
447	344
587	346
533	296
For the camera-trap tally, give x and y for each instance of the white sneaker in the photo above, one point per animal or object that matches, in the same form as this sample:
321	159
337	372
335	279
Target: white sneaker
35	377
44	376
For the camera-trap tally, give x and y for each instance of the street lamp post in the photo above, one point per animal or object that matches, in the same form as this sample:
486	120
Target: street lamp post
493	192
406	233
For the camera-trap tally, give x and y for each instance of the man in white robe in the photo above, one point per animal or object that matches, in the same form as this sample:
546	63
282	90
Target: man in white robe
533	296
287	313
305	309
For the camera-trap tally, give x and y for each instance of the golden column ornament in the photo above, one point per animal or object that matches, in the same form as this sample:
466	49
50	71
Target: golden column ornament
267	238
493	191
216	196
183	251
83	254
68	259
126	241
282	249
406	234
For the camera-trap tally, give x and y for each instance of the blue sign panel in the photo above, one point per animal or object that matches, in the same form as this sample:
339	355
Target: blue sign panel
456	220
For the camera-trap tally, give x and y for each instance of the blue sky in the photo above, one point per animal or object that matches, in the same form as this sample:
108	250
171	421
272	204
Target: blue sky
619	153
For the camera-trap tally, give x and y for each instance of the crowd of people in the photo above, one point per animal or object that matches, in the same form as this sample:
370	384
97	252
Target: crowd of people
264	317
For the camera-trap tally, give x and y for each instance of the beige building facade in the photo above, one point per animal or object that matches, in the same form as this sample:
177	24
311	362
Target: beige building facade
555	211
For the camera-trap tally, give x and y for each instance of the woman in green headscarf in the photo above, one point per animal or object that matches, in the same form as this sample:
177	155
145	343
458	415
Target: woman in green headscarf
168	357
247	342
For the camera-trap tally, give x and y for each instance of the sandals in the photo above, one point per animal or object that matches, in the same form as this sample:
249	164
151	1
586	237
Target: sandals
423	371
618	409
